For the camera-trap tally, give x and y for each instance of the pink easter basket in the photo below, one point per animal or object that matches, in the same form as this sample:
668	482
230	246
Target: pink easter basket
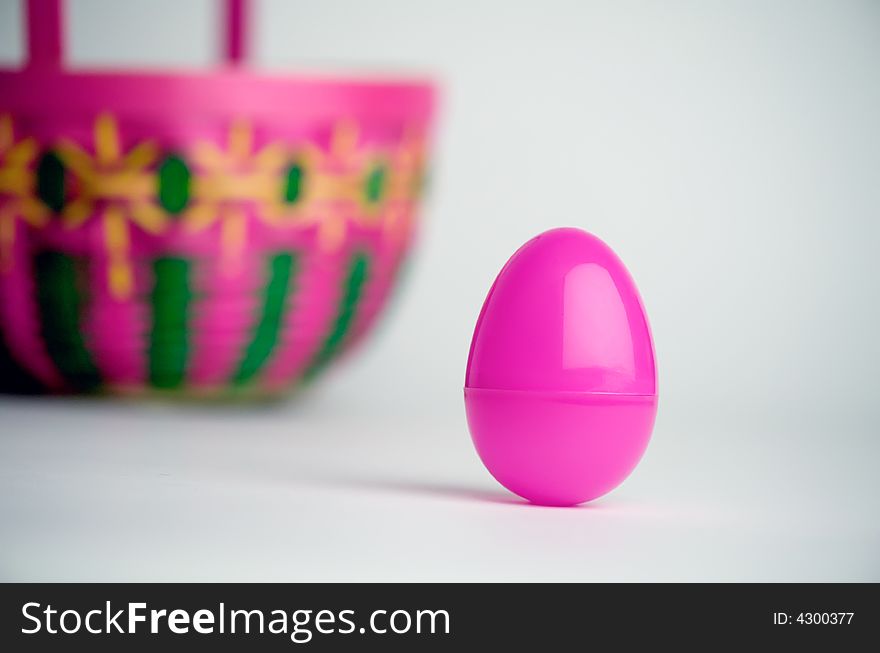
196	233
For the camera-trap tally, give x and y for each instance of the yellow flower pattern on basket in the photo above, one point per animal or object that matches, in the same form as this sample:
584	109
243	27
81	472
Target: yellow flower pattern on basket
126	185
19	201
348	182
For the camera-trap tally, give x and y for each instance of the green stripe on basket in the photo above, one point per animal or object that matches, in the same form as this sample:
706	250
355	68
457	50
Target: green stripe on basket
60	306
169	337
282	268
354	285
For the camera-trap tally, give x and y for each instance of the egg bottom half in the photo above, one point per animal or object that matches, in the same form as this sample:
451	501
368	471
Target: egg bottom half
559	448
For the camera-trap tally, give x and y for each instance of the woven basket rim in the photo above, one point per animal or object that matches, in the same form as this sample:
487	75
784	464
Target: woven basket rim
221	93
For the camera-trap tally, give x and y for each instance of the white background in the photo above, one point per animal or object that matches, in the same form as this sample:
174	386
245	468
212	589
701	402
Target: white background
728	151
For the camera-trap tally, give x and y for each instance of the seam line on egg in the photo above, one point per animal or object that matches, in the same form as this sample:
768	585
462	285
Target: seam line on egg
563	393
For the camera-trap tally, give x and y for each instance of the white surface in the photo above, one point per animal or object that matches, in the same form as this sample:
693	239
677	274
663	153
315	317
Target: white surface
298	492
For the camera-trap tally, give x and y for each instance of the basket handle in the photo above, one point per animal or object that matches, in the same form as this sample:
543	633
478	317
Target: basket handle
236	28
45	38
44	33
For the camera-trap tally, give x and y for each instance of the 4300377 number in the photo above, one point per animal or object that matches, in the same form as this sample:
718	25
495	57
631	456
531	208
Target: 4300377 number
824	618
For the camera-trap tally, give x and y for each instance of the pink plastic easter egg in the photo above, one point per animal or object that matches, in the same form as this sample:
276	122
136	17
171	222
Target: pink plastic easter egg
561	383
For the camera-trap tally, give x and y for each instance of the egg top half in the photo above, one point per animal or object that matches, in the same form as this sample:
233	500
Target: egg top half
563	315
